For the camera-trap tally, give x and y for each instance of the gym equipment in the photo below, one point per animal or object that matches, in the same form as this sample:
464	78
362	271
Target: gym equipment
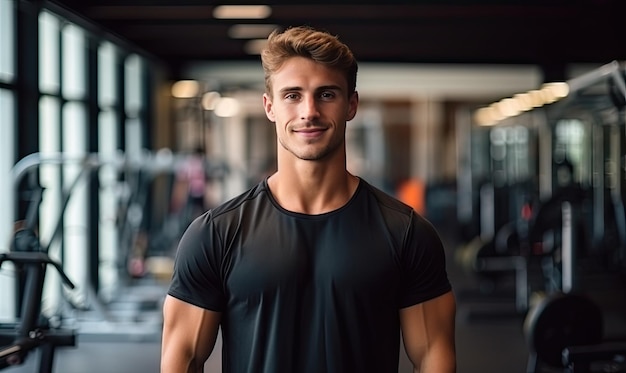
33	330
566	331
501	255
521	243
517	245
558	321
128	308
617	90
604	357
557	236
29	254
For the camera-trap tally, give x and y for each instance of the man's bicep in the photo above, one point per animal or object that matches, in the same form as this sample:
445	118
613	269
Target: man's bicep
189	334
428	330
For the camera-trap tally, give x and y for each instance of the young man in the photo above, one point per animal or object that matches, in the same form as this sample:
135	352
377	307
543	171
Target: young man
313	270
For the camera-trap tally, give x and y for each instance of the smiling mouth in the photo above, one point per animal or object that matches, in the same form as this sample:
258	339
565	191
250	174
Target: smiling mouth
310	128
310	132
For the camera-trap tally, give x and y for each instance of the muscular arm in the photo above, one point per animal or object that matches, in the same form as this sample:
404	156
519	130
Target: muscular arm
189	334
428	332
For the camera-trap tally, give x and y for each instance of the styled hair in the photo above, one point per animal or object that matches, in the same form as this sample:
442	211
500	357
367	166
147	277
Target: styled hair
304	41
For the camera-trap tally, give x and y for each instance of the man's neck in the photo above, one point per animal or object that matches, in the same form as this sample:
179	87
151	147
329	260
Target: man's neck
312	191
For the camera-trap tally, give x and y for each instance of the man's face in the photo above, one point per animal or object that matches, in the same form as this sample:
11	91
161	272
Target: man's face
310	106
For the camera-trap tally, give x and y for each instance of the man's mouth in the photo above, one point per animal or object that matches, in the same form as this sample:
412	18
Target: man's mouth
310	132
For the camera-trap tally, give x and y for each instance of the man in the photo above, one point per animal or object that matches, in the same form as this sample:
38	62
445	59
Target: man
313	270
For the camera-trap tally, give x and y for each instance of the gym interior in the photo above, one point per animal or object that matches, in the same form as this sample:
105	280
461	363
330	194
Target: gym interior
512	145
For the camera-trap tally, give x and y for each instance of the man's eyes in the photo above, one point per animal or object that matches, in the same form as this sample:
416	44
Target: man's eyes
325	95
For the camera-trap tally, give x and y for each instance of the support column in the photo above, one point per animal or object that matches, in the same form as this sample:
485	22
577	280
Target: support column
426	156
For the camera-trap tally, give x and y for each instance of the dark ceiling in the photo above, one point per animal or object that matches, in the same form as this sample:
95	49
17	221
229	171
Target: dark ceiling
549	33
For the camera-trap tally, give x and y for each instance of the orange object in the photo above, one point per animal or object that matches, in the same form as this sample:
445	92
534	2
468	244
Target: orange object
411	192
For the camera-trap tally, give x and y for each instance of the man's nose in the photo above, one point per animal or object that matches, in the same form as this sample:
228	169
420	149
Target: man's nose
309	108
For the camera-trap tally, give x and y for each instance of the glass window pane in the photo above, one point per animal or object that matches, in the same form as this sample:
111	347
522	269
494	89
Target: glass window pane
133	71
76	220
134	138
108	239
49	81
107	75
7	154
74	62
107	133
7	40
49	130
74	128
7	192
50	174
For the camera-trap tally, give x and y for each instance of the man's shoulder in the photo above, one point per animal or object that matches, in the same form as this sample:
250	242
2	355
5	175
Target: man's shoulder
253	194
395	212
385	199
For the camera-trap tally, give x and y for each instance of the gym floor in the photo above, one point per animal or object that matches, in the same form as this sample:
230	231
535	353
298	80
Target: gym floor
492	344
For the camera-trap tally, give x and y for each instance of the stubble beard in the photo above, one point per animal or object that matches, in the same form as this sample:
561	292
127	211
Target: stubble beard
312	152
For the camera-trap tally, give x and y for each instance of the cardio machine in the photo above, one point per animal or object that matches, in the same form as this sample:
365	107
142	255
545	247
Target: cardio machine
32	331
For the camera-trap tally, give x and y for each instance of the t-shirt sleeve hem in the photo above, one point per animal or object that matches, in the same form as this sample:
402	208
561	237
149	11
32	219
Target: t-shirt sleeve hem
421	298
205	305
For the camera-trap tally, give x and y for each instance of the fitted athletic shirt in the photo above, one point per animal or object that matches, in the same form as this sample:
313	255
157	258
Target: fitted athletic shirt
310	293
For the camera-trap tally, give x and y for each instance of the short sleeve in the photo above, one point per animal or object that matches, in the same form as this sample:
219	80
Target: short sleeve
197	276
423	264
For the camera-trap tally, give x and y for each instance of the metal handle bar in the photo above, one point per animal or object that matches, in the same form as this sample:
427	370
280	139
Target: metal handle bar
35	257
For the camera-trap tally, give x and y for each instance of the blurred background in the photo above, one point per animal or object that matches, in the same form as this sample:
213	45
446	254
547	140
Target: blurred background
501	121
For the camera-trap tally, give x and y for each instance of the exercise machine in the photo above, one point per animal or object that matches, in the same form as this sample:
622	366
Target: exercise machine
33	331
566	331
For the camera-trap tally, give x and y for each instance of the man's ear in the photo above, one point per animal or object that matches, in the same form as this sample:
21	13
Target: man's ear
353	104
268	106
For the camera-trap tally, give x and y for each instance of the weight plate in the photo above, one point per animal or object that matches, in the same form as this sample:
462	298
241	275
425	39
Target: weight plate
560	320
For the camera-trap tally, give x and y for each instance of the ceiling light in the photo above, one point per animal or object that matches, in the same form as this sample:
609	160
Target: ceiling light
227	107
513	106
210	100
241	31
509	107
242	11
557	90
484	116
524	101
536	98
185	89
255	46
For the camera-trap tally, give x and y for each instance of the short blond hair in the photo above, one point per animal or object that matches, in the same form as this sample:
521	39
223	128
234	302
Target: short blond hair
304	41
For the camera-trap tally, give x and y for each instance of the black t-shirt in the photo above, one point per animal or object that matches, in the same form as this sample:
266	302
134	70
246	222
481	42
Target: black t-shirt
310	293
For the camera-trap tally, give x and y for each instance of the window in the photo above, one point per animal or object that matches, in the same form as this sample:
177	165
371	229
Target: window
7	40
7	150
134	99
49	79
74	62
